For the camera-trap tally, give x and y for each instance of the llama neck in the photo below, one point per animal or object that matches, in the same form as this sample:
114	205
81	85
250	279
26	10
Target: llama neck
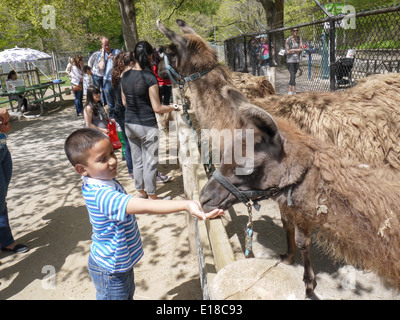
208	100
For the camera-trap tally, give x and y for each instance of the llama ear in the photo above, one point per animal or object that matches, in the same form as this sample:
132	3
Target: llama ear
259	117
262	120
176	39
184	26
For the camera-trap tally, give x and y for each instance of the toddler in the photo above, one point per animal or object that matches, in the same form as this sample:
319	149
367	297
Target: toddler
87	79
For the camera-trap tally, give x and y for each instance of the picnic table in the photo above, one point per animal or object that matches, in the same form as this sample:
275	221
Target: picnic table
36	94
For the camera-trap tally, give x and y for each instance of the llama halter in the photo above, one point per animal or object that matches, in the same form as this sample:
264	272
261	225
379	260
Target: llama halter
178	79
247	196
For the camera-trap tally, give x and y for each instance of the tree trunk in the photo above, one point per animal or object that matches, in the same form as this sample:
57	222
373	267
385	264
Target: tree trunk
129	28
274	12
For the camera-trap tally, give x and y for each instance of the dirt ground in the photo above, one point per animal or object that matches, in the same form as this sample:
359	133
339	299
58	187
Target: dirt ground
47	212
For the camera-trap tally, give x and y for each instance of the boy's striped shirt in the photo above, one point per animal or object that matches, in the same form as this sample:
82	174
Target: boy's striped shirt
117	245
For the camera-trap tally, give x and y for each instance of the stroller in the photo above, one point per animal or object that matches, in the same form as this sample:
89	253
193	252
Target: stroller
343	71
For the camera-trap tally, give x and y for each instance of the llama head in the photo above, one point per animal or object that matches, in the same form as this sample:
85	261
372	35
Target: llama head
188	53
260	169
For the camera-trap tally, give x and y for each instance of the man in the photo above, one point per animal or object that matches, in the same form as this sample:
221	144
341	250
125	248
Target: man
106	65
97	74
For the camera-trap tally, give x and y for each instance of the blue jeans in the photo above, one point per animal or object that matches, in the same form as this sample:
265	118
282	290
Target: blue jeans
78	102
6	237
98	82
111	286
109	95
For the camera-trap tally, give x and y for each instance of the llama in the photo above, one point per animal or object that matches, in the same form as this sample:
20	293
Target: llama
352	210
355	218
363	121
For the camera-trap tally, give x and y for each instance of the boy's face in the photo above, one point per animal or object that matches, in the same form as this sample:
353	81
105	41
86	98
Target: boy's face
101	162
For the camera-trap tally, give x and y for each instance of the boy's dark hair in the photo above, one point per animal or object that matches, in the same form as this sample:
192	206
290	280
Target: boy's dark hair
79	142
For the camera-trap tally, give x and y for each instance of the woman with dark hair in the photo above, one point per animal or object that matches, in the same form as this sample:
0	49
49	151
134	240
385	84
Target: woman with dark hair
94	114
22	102
76	82
139	91
123	61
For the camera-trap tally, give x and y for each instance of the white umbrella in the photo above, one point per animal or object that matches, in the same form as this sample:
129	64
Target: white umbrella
22	55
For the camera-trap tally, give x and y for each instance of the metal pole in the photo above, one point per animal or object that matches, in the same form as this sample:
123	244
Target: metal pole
245	54
332	54
323	9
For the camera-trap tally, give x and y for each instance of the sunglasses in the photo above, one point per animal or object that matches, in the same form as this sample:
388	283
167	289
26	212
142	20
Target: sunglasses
295	30
96	93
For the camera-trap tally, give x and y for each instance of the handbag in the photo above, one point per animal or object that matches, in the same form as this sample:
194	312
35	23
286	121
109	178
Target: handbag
77	88
113	135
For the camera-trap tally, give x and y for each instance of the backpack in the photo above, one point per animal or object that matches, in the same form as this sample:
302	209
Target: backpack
264	52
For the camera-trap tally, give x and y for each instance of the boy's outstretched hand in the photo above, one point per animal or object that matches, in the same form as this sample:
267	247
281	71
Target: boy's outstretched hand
194	208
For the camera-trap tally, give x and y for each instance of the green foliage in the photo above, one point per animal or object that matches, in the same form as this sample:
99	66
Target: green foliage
80	23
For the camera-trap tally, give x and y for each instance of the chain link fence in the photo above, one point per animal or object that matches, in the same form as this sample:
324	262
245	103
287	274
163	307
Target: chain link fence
337	51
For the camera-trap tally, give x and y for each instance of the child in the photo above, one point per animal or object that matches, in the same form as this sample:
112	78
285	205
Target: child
87	78
116	245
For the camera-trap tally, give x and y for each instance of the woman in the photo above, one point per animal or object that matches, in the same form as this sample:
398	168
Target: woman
22	102
122	62
293	51
76	82
94	114
140	96
7	242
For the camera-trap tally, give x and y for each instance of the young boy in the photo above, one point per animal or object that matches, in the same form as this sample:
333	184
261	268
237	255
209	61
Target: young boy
116	245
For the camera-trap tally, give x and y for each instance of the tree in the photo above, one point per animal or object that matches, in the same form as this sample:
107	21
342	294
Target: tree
274	12
129	28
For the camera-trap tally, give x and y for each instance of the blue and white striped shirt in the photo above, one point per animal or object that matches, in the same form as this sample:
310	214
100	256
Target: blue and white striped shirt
117	245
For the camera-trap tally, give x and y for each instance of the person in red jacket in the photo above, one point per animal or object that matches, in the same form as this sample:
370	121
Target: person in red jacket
165	85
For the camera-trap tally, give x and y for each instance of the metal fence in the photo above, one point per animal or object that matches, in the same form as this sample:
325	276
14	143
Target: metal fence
337	51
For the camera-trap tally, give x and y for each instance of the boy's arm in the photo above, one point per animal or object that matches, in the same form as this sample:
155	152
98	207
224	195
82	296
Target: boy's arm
140	206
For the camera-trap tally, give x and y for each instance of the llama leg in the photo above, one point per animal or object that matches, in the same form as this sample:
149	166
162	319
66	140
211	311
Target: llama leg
303	240
291	244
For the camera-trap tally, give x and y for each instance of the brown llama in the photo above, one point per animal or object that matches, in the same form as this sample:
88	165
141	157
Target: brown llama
363	121
352	209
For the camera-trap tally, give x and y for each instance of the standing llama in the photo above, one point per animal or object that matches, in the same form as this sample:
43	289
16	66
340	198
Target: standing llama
363	121
354	218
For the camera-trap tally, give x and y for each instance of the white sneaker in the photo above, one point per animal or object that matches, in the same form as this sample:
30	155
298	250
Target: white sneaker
162	179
